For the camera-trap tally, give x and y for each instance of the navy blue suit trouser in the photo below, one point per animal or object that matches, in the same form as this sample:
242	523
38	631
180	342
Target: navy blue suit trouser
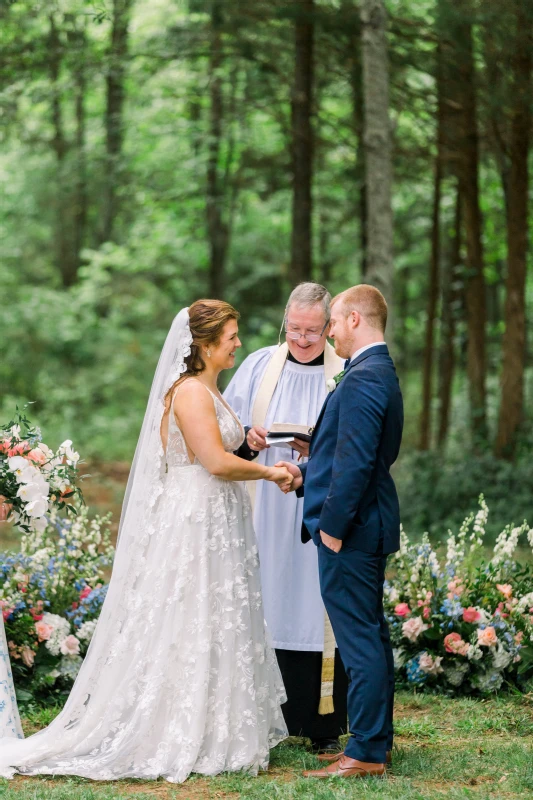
351	583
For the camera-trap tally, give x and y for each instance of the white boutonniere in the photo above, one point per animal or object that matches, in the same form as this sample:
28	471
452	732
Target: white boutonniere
332	383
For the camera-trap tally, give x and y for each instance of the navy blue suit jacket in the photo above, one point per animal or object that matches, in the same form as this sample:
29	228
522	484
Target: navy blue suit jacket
348	490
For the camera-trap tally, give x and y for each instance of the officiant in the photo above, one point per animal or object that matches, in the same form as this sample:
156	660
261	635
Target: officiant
286	383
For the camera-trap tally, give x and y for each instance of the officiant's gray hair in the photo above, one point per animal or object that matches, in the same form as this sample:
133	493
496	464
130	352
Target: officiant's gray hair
308	295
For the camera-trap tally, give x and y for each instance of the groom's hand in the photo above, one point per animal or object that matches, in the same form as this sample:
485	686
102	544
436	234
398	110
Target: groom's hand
331	542
295	472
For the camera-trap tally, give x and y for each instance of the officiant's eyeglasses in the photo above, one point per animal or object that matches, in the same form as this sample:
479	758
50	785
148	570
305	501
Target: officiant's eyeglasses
311	337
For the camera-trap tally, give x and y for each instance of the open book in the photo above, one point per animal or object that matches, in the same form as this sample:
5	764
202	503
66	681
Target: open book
281	433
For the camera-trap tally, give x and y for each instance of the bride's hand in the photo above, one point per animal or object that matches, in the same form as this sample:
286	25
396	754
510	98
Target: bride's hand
282	477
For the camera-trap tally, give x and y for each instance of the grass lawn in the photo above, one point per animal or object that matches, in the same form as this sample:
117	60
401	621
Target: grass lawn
444	748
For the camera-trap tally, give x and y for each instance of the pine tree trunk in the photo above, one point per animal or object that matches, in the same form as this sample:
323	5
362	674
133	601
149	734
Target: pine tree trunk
431	310
356	80
378	146
217	230
451	297
302	144
114	122
80	191
514	339
64	255
468	169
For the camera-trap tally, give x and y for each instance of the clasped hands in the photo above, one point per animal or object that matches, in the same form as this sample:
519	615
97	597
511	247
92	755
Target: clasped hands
329	541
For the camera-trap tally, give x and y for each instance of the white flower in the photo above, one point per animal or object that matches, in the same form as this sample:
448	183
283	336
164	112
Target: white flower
86	630
23	470
399	656
60	630
70	454
393	594
474	653
70	666
38	507
331	385
15	432
58	483
39	524
526	602
501	658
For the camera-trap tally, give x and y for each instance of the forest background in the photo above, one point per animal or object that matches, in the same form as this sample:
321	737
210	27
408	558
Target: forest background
156	151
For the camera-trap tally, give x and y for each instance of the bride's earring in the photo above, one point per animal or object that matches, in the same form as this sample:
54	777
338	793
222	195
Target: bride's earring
208	351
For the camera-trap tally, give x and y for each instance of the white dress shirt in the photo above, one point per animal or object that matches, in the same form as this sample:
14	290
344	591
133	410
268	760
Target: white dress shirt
366	347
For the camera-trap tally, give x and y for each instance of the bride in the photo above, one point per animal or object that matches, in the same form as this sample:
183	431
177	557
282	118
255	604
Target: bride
179	676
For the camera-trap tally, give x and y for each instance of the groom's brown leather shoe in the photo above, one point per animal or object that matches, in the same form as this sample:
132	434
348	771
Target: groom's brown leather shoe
347	767
330	758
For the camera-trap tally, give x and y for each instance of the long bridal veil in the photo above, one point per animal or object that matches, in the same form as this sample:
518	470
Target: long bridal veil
92	714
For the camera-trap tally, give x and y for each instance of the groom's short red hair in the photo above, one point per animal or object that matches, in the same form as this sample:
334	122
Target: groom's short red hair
367	301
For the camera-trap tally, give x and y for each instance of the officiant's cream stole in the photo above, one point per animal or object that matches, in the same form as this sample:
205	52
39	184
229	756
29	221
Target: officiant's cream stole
332	365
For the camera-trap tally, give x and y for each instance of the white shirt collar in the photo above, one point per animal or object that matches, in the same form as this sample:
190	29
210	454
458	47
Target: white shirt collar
366	347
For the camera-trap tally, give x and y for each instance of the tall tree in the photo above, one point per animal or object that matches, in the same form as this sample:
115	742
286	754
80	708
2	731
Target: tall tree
78	40
378	145
64	254
302	142
433	288
217	228
452	292
114	113
467	153
514	339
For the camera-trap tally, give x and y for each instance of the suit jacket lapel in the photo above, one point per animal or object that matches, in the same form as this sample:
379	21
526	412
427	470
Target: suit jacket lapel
379	350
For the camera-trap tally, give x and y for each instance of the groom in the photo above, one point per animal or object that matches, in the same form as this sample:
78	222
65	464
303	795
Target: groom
352	514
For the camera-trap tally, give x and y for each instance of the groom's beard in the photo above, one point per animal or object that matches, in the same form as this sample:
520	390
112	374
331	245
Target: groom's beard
340	350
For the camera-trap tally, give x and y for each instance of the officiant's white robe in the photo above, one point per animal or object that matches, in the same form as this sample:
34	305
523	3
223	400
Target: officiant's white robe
294	611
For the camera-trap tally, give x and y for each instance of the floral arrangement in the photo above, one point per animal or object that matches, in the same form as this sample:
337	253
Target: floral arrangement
51	594
33	478
465	626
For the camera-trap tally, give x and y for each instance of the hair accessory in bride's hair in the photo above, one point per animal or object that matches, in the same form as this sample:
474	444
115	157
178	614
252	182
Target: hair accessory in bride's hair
183	348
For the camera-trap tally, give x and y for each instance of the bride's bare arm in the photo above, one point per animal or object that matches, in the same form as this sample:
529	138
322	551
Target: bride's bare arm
195	414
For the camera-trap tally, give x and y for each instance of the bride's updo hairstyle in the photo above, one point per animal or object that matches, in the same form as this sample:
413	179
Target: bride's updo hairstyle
207	320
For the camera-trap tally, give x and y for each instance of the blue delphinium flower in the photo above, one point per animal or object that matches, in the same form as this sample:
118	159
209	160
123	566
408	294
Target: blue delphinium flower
414	673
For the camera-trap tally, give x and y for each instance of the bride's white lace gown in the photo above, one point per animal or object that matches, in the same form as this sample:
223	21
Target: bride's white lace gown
186	681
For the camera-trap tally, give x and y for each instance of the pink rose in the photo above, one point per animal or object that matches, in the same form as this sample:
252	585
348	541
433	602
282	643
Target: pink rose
487	637
85	593
37	456
6	612
28	656
430	665
402	610
471	614
506	589
412	628
426	612
453	643
44	631
455	589
70	646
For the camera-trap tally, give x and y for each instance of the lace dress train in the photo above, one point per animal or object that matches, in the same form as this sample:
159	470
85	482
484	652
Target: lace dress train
179	677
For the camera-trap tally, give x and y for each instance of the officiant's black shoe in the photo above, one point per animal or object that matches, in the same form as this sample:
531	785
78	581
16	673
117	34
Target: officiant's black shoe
330	758
326	746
